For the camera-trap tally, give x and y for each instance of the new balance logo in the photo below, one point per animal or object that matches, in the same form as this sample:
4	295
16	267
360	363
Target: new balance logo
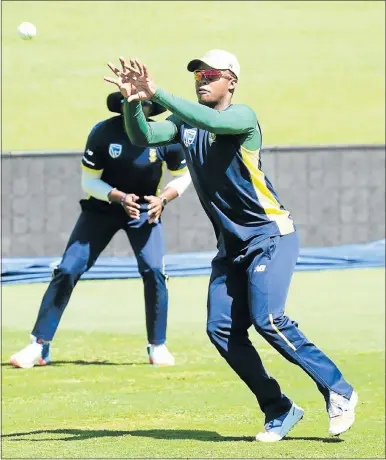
260	268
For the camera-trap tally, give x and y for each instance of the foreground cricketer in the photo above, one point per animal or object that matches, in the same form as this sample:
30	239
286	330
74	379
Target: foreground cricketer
257	241
122	181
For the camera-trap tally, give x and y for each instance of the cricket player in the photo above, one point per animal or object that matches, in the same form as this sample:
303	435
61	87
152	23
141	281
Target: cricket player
257	240
122	181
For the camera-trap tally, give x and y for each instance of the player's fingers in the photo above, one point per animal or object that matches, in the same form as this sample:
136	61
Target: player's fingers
133	97
145	71
153	207
133	205
139	65
111	80
122	60
134	65
153	219
114	69
134	213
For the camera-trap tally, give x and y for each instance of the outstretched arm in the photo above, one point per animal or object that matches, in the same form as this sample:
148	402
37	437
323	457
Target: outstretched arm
238	119
136	85
144	133
139	130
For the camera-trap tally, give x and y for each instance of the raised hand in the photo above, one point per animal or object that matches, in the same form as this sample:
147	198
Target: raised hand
133	80
123	82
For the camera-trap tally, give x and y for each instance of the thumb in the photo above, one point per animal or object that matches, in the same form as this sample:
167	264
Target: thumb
133	97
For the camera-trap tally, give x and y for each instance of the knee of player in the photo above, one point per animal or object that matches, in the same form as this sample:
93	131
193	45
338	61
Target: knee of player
269	322
217	329
72	265
155	273
262	322
68	270
75	259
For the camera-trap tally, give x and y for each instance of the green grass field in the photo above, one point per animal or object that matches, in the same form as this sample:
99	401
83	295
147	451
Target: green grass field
101	400
313	71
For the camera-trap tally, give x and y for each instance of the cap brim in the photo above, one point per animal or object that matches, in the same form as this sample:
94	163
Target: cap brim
114	103
194	64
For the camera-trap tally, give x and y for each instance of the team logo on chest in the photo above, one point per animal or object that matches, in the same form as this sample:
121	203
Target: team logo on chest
212	138
189	136
152	155
115	150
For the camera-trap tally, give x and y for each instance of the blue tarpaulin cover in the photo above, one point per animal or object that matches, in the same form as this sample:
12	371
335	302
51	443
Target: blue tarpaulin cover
39	269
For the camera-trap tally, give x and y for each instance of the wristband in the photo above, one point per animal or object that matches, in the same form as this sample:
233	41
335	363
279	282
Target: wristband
108	195
123	199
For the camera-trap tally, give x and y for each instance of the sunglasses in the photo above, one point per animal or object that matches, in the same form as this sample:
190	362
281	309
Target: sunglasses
208	75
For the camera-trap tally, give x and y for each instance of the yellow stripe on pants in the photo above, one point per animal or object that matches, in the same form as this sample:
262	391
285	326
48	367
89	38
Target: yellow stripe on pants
280	333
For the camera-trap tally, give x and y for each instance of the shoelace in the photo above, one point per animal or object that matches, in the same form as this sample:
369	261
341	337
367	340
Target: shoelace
335	407
275	422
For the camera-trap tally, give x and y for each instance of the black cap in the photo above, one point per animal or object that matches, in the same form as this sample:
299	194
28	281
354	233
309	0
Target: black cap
115	100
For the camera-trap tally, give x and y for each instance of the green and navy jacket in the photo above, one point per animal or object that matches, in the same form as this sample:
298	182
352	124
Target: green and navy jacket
223	154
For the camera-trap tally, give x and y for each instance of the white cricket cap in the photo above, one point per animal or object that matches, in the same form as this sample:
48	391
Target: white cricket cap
217	59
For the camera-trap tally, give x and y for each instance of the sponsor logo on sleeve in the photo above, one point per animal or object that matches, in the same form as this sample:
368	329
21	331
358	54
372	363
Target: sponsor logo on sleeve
115	150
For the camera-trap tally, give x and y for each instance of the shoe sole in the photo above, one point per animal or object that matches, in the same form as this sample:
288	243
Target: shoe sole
336	435
160	364
41	362
14	363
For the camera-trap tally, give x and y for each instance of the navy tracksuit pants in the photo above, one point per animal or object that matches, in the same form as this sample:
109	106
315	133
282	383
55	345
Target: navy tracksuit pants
253	292
91	234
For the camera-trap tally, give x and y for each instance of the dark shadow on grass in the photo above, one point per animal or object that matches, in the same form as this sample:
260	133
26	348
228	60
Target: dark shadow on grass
313	438
197	435
79	435
83	362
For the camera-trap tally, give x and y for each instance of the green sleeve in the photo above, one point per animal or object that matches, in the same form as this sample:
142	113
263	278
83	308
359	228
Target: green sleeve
238	119
144	133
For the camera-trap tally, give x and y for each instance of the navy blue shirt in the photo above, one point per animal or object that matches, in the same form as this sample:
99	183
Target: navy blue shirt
125	166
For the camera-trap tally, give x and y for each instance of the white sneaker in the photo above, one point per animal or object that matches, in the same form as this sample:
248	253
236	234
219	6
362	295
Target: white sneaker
28	356
276	429
159	355
341	412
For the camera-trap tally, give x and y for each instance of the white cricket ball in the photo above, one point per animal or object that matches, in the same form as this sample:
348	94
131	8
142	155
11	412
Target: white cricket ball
26	30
